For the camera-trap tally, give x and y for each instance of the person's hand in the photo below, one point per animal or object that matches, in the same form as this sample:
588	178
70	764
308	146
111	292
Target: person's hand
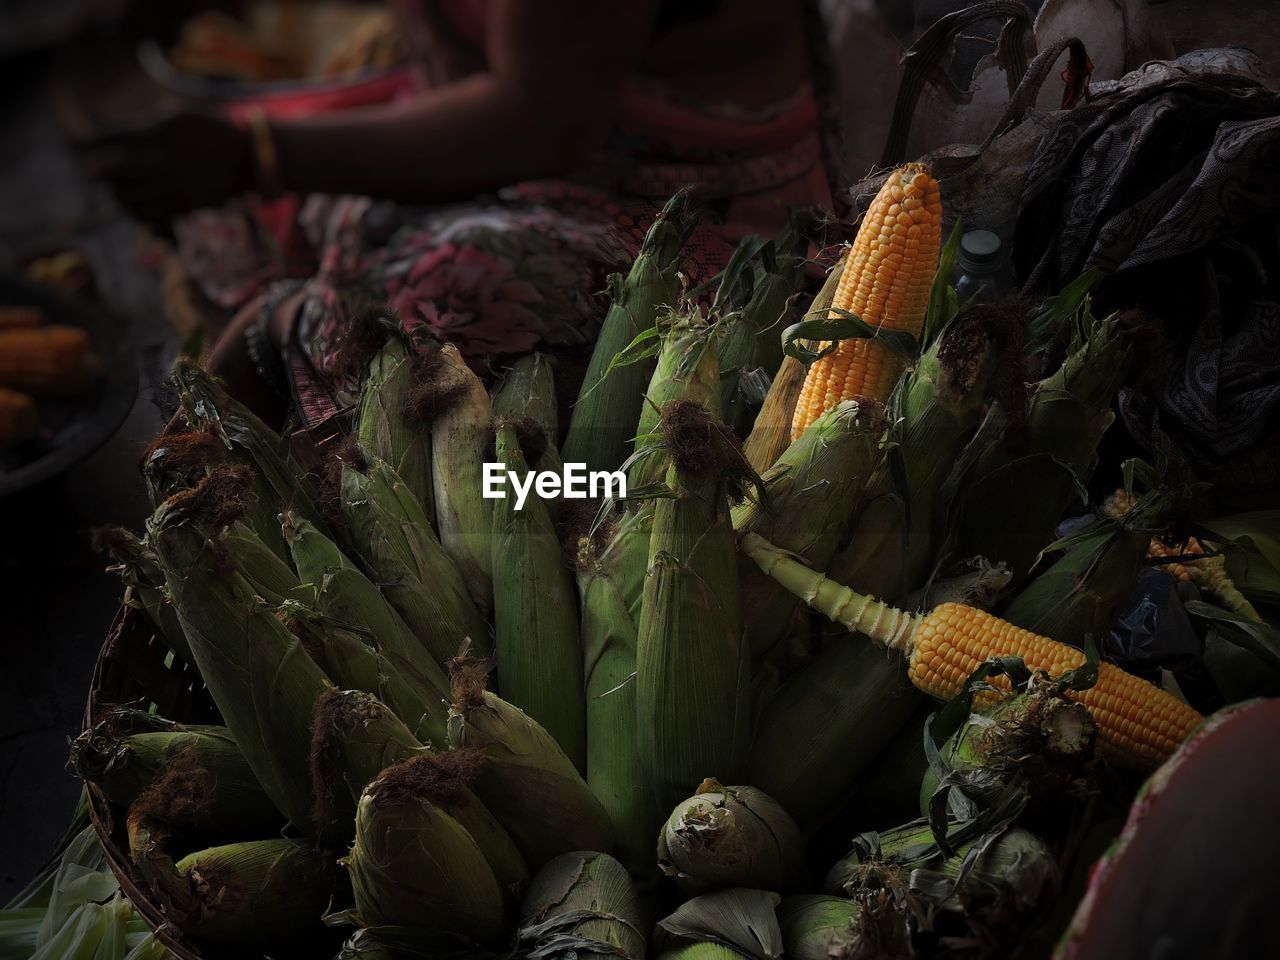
183	161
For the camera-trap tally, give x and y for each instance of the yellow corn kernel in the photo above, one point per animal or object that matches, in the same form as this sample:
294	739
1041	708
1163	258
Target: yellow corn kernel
47	361
885	281
1138	724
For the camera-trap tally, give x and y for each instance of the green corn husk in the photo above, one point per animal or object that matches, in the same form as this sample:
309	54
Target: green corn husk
526	781
825	724
738	923
1082	592
731	837
817	927
535	614
687	369
813	490
144	588
197	778
410	566
763	292
692	663
611	583
259	675
528	391
1013	871
385	426
528	395
583	902
771	432
270	576
889	549
355	737
349	660
611	399
250	441
255	895
987	512
460	436
414	865
345	595
1037	739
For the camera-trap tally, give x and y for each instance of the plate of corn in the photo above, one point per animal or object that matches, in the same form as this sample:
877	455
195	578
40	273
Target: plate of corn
68	378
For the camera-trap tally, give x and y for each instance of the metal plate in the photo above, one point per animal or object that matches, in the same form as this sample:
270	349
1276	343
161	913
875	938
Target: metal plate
71	429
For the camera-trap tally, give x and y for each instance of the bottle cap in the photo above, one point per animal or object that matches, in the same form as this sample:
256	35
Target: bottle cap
979	248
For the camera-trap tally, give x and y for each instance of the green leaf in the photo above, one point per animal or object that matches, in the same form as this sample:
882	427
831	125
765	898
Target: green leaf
1260	639
942	298
744	920
843	326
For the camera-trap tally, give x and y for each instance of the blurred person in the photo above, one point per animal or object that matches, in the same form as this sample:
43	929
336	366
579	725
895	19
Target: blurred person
546	136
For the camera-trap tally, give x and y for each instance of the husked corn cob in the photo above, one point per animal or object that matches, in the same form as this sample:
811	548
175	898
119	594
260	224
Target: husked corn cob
1139	725
885	282
48	361
1208	574
15	318
18	417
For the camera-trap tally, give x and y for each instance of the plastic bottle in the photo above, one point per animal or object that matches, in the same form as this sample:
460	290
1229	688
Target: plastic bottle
983	269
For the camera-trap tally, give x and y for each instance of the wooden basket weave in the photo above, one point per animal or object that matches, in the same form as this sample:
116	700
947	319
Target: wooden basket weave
131	669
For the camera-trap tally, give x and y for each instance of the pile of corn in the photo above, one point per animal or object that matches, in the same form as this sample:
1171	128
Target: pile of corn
38	361
452	723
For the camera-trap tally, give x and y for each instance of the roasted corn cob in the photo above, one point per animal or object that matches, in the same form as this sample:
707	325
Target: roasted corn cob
47	361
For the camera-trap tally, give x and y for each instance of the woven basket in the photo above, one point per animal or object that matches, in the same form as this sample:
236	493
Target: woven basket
135	668
131	670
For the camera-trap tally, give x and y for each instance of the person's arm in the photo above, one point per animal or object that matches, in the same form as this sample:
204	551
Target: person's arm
556	69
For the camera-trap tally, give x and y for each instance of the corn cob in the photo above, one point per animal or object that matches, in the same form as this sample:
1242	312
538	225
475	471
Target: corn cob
600	427
535	618
18	417
410	566
988	514
270	576
260	677
20	318
813	491
460	434
415	865
528	390
351	662
144	587
818	927
339	590
762	294
731	837
387	427
885	282
1138	724
1014	869
254	896
250	441
197	777
824	725
178	461
692	691
1082	592
584	903
889	548
1209	574
771	432
527	395
736	923
688	369
47	361
610	582
526	780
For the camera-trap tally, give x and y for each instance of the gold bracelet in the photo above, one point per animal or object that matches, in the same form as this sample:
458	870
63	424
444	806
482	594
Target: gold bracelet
266	167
